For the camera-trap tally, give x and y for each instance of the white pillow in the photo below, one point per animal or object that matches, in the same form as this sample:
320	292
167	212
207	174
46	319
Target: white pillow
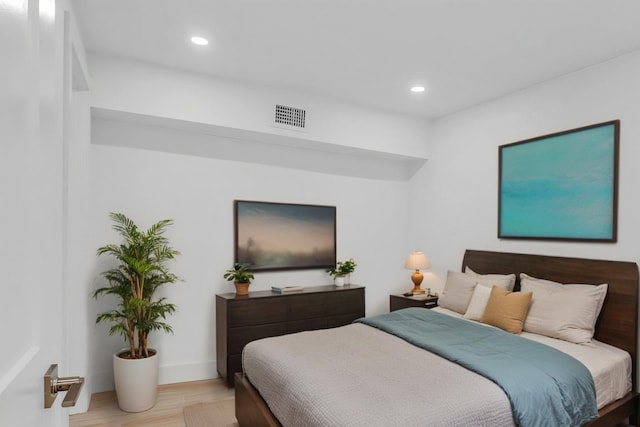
478	302
503	281
567	312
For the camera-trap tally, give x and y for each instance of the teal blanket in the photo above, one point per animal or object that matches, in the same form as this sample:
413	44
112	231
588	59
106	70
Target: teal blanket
545	386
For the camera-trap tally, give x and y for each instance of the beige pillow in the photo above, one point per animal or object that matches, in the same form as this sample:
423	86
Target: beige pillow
567	312
478	302
507	310
457	292
504	281
459	287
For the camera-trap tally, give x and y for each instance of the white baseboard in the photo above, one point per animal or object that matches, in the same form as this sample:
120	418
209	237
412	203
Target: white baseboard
185	372
169	374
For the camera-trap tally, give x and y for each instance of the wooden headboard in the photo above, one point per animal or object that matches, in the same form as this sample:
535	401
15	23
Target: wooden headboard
618	321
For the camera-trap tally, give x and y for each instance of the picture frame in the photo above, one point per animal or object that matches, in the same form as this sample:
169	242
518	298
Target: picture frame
284	236
562	186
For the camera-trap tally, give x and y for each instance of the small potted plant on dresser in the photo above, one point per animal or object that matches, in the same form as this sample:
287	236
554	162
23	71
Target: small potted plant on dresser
240	277
342	271
140	271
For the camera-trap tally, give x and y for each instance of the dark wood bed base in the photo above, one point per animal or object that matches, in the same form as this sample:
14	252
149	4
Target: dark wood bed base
251	409
617	324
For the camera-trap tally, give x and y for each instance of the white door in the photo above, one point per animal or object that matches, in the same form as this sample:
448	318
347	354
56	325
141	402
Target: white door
32	231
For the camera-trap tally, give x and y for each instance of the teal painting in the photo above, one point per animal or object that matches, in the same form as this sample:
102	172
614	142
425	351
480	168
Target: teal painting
561	186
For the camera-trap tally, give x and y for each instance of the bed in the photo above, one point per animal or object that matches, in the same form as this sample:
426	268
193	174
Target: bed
418	385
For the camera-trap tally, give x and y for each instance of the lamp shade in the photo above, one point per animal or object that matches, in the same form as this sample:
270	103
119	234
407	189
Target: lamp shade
416	261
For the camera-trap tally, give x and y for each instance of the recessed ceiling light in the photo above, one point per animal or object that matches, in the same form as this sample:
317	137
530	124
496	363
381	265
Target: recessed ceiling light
200	41
417	89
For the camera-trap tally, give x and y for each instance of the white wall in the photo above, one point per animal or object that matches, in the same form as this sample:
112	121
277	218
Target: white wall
198	194
134	87
457	189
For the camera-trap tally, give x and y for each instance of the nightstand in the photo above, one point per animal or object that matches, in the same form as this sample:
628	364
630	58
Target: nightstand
398	302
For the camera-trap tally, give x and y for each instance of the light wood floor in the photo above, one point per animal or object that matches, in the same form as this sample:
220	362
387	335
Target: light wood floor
172	398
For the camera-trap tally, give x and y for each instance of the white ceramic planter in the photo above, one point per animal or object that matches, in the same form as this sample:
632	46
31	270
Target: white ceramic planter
136	382
339	281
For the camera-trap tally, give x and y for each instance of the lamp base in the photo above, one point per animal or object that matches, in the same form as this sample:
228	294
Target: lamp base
416	278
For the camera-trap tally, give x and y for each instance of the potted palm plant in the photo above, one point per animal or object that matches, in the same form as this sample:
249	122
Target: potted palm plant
342	270
240	277
141	269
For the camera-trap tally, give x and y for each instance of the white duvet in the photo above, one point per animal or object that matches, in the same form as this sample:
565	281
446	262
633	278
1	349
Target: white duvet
357	375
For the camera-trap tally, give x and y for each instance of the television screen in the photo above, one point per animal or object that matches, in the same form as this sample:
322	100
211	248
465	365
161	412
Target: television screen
284	236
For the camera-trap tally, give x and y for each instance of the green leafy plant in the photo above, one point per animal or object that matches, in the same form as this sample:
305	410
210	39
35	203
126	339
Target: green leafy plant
343	268
141	270
239	274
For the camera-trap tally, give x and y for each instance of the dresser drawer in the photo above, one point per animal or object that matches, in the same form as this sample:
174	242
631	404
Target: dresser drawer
306	306
306	325
344	302
235	365
342	319
257	311
239	337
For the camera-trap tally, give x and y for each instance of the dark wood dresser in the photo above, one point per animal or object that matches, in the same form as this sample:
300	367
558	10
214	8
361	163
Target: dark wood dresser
261	314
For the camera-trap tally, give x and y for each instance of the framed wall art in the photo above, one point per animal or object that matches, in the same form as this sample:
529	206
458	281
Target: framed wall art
562	186
284	236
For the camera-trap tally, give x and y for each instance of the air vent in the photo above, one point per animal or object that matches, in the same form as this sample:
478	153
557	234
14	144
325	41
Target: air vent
290	116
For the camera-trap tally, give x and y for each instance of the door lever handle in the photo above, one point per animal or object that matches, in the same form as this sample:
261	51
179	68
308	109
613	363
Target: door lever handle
53	384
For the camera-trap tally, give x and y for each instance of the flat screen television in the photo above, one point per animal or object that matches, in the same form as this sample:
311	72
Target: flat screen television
284	236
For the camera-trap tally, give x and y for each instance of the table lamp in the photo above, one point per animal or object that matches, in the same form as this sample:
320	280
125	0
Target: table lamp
416	261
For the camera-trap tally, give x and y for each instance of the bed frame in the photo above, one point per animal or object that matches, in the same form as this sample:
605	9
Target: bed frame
617	324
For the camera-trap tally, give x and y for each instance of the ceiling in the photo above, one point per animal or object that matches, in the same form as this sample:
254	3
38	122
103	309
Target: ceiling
370	52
